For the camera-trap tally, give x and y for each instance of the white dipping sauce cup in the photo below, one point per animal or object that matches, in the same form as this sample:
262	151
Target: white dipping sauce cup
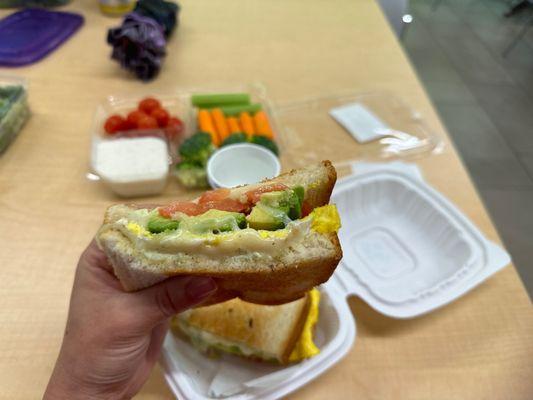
241	164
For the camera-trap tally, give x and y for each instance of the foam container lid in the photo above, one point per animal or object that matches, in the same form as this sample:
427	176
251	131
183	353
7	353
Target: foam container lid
407	251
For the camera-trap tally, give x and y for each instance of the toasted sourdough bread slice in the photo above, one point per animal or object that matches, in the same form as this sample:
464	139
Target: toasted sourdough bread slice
249	330
253	276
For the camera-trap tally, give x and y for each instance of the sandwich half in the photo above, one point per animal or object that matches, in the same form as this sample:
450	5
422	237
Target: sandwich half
281	334
267	243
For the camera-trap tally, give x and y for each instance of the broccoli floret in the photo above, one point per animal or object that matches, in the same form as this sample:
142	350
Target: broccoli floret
191	175
234	138
265	142
197	148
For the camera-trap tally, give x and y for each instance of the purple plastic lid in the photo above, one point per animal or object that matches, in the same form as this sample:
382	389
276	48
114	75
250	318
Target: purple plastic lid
29	35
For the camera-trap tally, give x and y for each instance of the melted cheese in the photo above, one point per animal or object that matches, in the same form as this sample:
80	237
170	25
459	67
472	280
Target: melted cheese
305	347
204	340
215	245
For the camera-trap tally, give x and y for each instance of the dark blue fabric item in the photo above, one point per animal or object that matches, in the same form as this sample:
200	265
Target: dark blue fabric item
138	45
164	12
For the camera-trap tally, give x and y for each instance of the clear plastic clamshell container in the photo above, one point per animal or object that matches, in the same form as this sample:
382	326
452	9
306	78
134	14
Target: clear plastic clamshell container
258	94
305	132
14	110
178	103
407	251
136	162
389	127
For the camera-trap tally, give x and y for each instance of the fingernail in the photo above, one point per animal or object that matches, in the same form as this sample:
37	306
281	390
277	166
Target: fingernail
200	287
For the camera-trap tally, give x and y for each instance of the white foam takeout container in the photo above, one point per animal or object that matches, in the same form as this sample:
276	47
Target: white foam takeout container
407	251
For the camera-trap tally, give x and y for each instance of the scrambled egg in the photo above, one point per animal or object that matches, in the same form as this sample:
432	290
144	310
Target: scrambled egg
137	229
325	219
305	347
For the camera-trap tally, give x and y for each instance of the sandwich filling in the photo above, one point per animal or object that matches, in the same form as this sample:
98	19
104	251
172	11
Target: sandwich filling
305	347
266	220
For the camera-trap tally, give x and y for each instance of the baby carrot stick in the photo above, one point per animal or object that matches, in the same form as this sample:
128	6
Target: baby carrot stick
233	125
206	125
220	123
262	126
247	124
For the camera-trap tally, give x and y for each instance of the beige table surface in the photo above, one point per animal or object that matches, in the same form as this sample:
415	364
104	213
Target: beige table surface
480	347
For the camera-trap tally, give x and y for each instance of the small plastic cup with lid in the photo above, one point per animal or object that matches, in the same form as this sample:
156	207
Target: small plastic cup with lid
241	164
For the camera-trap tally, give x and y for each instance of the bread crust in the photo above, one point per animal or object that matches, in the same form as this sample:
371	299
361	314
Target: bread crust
270	284
271	329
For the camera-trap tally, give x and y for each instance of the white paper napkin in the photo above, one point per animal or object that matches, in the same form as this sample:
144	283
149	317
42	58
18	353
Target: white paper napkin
233	377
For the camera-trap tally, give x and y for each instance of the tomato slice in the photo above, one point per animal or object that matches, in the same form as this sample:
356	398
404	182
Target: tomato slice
214	195
226	204
191	209
255	194
185	207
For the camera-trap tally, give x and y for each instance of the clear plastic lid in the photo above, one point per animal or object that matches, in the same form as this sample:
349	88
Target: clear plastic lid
388	129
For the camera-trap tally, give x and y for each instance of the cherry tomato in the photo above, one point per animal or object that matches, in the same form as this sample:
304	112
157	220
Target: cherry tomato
185	207
128	125
114	124
149	104
255	194
174	127
161	115
214	195
134	117
147	122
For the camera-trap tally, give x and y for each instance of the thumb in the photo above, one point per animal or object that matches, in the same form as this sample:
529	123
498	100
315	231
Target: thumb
172	296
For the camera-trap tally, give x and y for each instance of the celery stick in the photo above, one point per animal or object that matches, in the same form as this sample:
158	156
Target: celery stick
230	111
220	99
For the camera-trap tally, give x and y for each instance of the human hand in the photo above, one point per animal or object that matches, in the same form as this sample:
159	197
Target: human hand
113	338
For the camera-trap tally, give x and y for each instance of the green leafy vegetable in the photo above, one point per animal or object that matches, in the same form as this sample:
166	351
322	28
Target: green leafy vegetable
265	142
234	138
197	148
191	175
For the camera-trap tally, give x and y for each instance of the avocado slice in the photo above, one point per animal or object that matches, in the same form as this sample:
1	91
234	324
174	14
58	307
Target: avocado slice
216	221
299	192
279	200
266	218
158	224
296	201
289	201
